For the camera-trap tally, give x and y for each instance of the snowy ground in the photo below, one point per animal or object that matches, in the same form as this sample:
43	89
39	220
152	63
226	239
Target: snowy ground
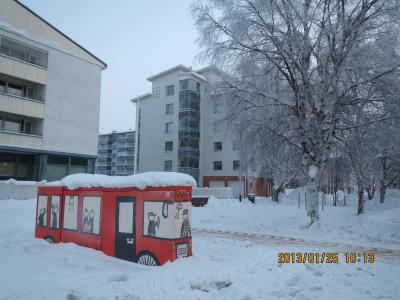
220	268
378	227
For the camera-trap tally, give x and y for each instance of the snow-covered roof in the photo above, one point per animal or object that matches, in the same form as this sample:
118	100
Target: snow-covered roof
141	181
176	68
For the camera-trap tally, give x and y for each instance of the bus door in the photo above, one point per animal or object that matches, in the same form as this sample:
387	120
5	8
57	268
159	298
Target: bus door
125	228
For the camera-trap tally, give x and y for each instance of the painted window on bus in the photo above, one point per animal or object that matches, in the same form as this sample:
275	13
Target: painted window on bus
70	212
42	211
91	212
55	212
167	219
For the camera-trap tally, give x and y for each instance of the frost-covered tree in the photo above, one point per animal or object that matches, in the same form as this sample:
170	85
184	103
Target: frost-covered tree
307	48
275	156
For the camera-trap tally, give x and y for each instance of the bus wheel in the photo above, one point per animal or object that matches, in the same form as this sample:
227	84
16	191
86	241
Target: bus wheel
49	239
148	259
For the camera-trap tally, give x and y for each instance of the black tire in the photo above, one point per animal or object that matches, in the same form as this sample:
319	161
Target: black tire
49	239
148	259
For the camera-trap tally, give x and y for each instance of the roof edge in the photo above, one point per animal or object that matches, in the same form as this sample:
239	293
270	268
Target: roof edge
63	34
178	67
142	97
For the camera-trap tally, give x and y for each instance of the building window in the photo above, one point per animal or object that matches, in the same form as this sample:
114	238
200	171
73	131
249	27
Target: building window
169	109
169	90
218	108
169	146
156	93
184	84
12	125
2	86
169	127
217	146
236	165
15	89
217	165
168	165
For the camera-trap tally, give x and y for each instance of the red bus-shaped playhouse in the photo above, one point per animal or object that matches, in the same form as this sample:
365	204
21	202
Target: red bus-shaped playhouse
144	218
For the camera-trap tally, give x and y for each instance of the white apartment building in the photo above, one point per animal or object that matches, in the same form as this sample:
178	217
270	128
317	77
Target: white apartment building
49	99
116	154
181	128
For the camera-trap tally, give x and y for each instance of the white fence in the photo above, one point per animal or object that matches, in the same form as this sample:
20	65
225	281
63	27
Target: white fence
18	190
222	193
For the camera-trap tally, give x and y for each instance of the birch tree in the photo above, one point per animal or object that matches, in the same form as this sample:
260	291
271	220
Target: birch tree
306	46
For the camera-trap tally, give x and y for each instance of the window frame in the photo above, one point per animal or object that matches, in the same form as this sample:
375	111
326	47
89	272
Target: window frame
165	146
77	213
214	165
47	208
215	149
169	105
169	90
166	127
59	211
165	164
233	165
100	217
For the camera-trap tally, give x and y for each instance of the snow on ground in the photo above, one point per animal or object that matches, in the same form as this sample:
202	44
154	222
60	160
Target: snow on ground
379	226
220	268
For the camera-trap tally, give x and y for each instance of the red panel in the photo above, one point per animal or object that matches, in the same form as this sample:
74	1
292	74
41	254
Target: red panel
108	224
43	232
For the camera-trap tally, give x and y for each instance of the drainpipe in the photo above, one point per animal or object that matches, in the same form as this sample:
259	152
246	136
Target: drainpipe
137	104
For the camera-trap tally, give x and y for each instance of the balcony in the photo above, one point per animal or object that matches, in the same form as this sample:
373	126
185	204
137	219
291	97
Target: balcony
22	106
22	52
18	139
22	61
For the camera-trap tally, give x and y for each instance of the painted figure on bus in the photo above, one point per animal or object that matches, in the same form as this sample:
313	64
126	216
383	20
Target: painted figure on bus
88	220
151	230
185	229
179	206
42	216
54	213
85	224
91	220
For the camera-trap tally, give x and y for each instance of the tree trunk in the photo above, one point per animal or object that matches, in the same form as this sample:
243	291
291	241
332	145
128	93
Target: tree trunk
382	192
383	180
312	195
360	193
370	191
275	195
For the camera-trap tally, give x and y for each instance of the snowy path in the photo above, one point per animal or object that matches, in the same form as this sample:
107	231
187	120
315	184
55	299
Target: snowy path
273	240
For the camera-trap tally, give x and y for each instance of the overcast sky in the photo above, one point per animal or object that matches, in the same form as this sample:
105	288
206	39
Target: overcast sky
136	38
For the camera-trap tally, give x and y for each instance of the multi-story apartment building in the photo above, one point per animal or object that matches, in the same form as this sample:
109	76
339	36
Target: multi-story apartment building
181	128
116	155
49	99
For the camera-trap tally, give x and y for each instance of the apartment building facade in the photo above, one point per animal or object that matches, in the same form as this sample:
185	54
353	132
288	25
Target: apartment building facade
49	99
116	154
181	128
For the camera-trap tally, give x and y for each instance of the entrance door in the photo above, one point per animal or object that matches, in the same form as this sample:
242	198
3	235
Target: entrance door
125	238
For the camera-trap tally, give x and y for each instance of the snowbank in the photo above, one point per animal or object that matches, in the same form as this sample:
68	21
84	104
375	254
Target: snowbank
142	180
